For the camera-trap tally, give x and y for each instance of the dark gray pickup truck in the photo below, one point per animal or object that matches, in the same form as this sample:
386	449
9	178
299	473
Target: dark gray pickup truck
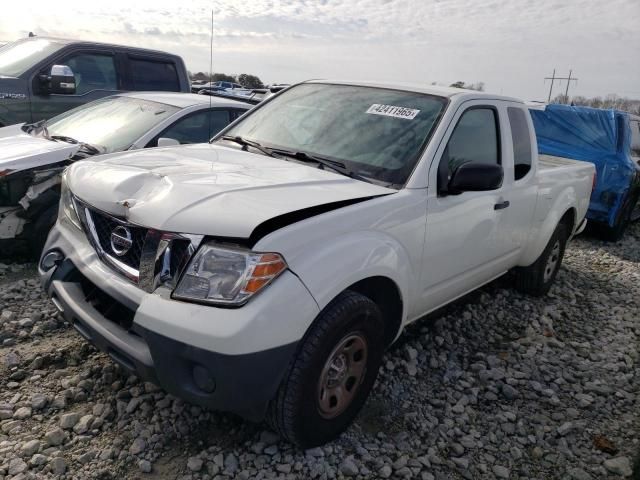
41	77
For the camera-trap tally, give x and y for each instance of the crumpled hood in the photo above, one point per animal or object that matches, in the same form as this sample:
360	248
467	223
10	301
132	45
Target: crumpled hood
21	151
208	189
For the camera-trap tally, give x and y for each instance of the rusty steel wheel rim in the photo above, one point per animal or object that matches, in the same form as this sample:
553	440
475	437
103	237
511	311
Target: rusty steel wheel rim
342	374
552	262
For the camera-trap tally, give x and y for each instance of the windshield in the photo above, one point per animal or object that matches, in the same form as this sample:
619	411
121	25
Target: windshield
377	133
110	124
18	57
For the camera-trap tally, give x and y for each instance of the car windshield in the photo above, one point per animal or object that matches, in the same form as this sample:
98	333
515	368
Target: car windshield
17	57
376	133
110	124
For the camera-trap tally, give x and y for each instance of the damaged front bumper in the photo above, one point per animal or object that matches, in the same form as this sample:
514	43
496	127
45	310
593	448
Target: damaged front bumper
24	197
221	358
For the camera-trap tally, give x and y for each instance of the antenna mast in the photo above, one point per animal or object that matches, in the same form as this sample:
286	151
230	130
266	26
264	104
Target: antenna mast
210	74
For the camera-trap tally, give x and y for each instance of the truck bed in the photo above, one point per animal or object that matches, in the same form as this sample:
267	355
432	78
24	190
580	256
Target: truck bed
551	162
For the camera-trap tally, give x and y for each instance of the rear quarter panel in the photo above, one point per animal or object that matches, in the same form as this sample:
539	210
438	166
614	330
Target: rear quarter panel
563	185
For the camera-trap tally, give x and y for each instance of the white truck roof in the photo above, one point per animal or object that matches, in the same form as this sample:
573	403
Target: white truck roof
448	92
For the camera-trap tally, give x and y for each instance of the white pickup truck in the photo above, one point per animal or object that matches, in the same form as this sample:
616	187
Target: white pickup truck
266	272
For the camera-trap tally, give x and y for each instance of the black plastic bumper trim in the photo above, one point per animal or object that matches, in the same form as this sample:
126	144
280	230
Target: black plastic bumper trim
104	334
244	384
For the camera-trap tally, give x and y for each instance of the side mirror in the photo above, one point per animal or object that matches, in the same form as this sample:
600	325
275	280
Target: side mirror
475	177
60	80
167	142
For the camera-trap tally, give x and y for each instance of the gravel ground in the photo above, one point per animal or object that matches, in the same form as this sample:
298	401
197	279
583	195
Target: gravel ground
498	385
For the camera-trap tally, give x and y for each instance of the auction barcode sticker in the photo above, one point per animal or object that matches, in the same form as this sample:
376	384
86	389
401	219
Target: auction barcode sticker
391	111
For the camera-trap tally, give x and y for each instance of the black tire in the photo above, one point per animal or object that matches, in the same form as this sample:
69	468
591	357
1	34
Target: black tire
537	278
615	233
40	228
296	412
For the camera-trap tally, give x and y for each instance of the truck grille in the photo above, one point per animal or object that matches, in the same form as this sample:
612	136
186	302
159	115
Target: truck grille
106	225
144	256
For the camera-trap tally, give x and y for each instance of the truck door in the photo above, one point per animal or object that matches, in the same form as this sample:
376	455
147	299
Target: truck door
463	248
95	74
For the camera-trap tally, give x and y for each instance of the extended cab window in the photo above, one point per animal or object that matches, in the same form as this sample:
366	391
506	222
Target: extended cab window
521	139
196	128
474	139
154	75
93	72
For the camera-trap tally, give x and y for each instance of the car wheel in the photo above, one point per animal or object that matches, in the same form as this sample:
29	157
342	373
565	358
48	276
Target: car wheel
537	278
616	232
330	377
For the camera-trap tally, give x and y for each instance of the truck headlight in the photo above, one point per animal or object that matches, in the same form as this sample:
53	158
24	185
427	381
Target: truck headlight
67	207
225	275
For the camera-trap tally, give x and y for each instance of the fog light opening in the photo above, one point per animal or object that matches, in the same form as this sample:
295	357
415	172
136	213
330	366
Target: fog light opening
203	379
51	260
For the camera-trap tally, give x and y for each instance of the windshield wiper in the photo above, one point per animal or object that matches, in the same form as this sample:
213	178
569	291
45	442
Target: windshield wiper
248	143
87	147
334	165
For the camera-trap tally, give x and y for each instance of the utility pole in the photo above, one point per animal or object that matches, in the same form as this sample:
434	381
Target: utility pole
566	92
554	78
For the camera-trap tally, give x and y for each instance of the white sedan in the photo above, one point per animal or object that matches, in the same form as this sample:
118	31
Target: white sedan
32	156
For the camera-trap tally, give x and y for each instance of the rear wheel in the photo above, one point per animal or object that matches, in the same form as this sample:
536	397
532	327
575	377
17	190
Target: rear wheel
616	232
332	374
537	278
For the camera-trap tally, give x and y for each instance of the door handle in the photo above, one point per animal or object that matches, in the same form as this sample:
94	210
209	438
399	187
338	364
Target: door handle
501	205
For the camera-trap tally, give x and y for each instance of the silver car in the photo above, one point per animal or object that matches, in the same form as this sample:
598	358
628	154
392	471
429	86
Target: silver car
32	156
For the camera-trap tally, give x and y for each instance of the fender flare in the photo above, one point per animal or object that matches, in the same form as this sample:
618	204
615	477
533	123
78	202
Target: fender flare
362	255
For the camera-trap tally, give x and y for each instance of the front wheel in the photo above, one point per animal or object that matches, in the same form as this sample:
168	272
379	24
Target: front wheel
42	224
537	278
332	373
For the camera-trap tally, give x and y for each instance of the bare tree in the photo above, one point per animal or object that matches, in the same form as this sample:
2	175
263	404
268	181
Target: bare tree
479	86
250	81
612	100
560	98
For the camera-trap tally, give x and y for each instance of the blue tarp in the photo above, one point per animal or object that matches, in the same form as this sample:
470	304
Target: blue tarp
601	137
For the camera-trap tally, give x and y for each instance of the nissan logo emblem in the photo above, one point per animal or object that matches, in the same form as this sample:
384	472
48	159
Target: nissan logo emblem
121	240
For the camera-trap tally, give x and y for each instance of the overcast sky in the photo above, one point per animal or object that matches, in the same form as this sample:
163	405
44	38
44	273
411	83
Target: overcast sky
511	45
